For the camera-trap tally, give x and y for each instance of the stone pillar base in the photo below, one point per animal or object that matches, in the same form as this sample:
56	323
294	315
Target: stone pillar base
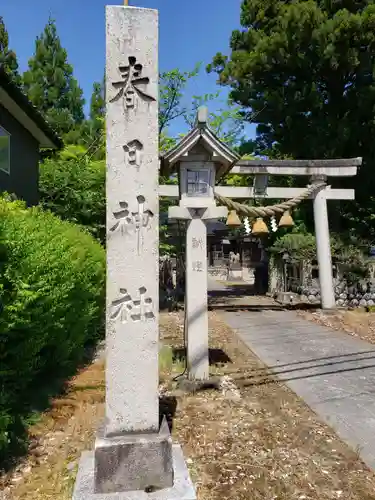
133	461
182	488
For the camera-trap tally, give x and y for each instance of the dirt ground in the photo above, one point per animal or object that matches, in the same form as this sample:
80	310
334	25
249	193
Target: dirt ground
240	442
357	323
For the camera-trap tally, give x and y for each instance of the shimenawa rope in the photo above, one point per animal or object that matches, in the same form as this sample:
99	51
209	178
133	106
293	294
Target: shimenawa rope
269	210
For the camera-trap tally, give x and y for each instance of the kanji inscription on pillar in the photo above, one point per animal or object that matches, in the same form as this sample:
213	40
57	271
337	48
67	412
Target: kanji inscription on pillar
198	266
125	308
132	84
197	246
133	150
197	243
136	222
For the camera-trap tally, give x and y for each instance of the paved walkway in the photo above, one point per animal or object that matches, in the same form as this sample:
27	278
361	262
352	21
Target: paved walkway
333	372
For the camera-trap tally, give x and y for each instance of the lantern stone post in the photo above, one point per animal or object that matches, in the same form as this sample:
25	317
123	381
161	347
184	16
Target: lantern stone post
199	159
133	457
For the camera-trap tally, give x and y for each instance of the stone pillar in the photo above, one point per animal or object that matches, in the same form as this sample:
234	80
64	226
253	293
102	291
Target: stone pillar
130	454
272	276
132	221
196	285
196	299
323	249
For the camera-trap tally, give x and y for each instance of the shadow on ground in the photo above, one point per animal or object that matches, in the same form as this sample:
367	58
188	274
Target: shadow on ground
215	356
232	291
302	369
167	410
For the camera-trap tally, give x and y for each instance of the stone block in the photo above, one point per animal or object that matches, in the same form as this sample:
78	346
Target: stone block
287	298
133	461
182	488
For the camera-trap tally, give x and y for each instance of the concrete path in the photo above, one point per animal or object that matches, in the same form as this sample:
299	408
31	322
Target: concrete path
333	372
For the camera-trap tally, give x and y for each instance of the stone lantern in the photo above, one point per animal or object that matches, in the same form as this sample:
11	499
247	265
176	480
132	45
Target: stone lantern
199	160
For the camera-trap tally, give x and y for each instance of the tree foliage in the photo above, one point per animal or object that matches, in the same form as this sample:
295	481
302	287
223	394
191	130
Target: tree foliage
227	122
8	58
301	246
50	84
306	68
91	134
97	102
73	187
171	86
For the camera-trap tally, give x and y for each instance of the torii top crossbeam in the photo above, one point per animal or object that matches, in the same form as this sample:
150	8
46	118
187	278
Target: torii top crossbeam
331	168
232	164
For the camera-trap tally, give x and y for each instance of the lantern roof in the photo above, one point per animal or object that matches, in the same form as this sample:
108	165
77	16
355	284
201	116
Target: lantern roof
200	138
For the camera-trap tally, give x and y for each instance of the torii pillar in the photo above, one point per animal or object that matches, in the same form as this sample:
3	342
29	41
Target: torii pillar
323	247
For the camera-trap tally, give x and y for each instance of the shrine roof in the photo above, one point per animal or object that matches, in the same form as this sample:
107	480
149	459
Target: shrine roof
222	155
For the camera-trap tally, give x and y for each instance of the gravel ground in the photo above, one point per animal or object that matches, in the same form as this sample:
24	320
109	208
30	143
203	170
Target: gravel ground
258	442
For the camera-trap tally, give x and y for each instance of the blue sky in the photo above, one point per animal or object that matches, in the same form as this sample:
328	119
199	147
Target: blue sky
190	32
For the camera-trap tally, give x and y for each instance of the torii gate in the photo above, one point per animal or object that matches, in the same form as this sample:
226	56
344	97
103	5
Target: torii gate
200	151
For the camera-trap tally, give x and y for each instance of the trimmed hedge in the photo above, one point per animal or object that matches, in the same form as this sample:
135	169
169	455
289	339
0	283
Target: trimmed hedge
52	301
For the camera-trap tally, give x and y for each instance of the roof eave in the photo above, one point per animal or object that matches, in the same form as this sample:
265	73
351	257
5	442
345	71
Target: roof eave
16	102
227	157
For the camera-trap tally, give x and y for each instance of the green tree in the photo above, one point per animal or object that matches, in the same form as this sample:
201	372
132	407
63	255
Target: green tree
306	68
91	133
50	84
8	59
171	86
97	102
227	122
96	122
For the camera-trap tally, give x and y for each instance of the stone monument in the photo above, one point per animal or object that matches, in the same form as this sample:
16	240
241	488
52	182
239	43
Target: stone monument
134	457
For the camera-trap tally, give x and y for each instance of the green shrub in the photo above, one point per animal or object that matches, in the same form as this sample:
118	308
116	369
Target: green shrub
52	302
73	187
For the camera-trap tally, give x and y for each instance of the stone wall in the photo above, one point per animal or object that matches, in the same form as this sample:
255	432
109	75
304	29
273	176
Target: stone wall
360	294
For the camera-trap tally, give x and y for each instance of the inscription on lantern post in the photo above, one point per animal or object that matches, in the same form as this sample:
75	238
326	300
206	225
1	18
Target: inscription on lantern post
196	286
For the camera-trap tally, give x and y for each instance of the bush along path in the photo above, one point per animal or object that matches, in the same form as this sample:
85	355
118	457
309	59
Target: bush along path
52	299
